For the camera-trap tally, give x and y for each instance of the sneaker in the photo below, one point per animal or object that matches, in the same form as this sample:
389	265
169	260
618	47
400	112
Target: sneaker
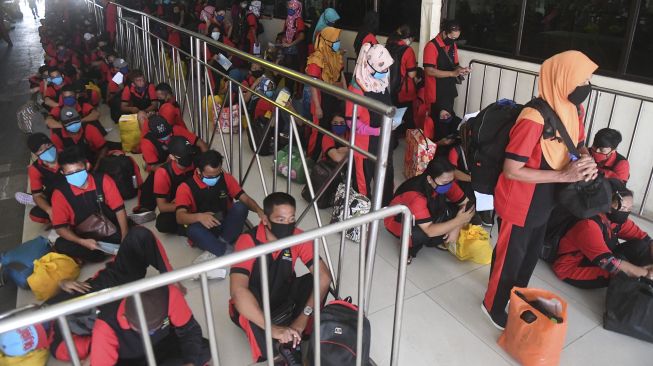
487	218
293	357
216	274
498	323
25	199
143	217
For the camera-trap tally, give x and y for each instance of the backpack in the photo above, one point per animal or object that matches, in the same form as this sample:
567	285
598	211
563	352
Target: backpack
121	169
338	322
320	175
18	263
397	81
560	222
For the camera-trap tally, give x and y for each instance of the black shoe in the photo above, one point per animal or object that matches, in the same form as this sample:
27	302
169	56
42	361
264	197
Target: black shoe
487	218
292	356
499	322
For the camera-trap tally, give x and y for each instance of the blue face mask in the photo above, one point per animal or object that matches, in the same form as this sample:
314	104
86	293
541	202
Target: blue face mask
77	179
269	93
57	80
443	188
380	75
49	155
74	127
124	70
291	12
69	101
211	181
339	129
219	18
164	139
446	120
336	46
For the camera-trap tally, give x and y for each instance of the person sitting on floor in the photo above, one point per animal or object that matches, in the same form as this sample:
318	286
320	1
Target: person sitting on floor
86	137
438	204
591	251
205	204
167	178
286	288
56	81
168	107
83	196
139	96
604	151
69	99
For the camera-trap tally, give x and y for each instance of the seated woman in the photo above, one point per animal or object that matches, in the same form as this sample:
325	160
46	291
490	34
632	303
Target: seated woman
591	252
438	204
604	151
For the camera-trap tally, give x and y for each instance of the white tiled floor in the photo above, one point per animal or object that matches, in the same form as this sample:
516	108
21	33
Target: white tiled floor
442	321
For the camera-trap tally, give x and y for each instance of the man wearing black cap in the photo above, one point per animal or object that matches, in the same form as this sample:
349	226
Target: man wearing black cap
175	334
86	137
43	176
168	177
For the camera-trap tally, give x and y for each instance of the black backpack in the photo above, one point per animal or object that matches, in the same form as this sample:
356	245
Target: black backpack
121	169
259	126
397	81
338	322
560	222
320	175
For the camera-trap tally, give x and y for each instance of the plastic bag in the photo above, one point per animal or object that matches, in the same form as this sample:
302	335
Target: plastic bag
29	118
37	357
473	244
297	172
130	132
48	272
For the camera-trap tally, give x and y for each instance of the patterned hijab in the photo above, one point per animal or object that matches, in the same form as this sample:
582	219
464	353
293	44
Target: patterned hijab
255	8
291	20
373	59
325	57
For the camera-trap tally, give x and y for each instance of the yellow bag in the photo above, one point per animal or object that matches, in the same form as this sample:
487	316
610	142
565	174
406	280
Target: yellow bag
473	244
38	357
173	69
210	105
130	132
48	272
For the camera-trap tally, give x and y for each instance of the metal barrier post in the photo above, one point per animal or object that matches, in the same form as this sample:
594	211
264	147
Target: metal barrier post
208	313
266	309
361	293
145	332
68	338
317	303
407	225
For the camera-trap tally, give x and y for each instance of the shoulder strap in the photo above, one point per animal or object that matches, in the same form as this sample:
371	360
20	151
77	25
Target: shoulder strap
440	49
551	119
99	190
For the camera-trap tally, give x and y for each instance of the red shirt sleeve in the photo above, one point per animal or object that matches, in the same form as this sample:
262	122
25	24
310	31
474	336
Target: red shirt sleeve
455	194
370	38
430	55
455	54
114	88
184	197
162	183
630	231
104	345
244	242
183	132
55	112
151	91
304	251
252	21
408	60
167	111
150	155
233	188
94	137
620	171
589	238
56	141
86	109
314	71
62	214
453	157
300	25
113	199
328	143
178	309
35	180
524	137
126	94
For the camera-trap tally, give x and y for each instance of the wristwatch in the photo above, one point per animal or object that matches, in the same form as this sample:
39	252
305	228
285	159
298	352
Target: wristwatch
308	310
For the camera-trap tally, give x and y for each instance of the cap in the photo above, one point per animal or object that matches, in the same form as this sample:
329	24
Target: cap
88	36
19	342
36	140
155	314
180	147
119	63
159	127
69	114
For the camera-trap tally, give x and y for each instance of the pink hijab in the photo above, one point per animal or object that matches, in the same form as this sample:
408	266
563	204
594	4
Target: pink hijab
372	59
291	20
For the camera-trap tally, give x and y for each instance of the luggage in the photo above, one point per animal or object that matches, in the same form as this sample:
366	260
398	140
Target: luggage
419	152
123	170
130	133
320	175
358	205
629	307
473	244
338	325
18	263
224	121
30	119
48	272
296	168
533	337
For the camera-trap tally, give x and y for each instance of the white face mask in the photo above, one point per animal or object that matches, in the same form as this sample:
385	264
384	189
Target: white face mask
215	35
407	41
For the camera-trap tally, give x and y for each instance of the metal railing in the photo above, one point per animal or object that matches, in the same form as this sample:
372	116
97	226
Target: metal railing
135	289
142	47
521	86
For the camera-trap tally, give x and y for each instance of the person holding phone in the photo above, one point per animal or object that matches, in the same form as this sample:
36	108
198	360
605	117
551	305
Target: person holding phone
439	205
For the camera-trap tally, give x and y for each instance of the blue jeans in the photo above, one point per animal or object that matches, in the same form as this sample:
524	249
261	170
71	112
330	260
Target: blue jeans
216	240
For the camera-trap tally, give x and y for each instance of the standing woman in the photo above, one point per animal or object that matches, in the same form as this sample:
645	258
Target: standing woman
367	32
328	19
251	37
294	45
326	64
525	192
371	80
399	47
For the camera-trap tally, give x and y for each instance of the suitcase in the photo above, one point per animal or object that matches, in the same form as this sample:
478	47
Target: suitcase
419	152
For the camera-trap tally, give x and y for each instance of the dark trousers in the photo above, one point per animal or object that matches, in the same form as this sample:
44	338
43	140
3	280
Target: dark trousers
81	253
146	198
513	261
167	352
166	222
419	239
300	291
216	240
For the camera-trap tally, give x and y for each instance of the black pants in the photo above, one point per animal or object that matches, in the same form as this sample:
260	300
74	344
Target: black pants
84	254
146	198
420	239
166	222
369	169
167	352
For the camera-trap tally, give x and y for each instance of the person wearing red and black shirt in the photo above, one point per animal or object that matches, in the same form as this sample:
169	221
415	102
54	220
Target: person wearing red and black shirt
74	202
139	96
525	194
293	43
114	89
441	69
205	204
56	82
285	287
604	151
367	32
404	56
168	107
175	334
69	99
167	178
43	175
86	137
438	205
251	25
330	148
595	249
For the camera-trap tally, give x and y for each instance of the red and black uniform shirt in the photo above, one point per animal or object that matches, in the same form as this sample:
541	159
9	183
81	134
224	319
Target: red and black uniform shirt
42	178
586	242
170	112
195	196
83	109
457	158
408	91
151	148
431	60
141	101
69	214
168	178
89	136
615	167
54	92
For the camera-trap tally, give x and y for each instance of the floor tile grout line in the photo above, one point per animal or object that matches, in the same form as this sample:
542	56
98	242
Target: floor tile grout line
454	278
581	336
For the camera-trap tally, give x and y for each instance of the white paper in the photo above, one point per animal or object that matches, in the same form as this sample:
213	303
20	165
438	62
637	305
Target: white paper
283	97
484	202
470	115
108	248
398	119
118	78
257	49
224	62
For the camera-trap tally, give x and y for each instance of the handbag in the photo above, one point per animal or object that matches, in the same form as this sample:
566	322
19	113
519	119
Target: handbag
628	305
358	205
582	199
97	226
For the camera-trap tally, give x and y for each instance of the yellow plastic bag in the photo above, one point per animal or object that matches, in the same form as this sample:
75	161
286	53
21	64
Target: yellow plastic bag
473	244
38	357
172	70
48	272
210	106
130	132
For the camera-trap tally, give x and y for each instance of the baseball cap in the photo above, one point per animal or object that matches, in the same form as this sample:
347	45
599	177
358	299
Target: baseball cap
119	63
180	147
20	341
36	140
69	114
159	127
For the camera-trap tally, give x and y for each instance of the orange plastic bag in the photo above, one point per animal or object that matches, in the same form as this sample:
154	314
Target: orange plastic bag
539	342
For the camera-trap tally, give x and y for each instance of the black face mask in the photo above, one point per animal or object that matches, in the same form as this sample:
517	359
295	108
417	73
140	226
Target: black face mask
448	41
257	74
161	101
282	230
618	217
579	94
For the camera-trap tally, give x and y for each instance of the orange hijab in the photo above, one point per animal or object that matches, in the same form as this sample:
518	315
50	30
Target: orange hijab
559	76
325	57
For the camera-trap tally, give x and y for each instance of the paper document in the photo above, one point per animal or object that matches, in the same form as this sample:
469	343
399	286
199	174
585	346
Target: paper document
398	119
118	78
224	62
108	248
484	202
283	97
